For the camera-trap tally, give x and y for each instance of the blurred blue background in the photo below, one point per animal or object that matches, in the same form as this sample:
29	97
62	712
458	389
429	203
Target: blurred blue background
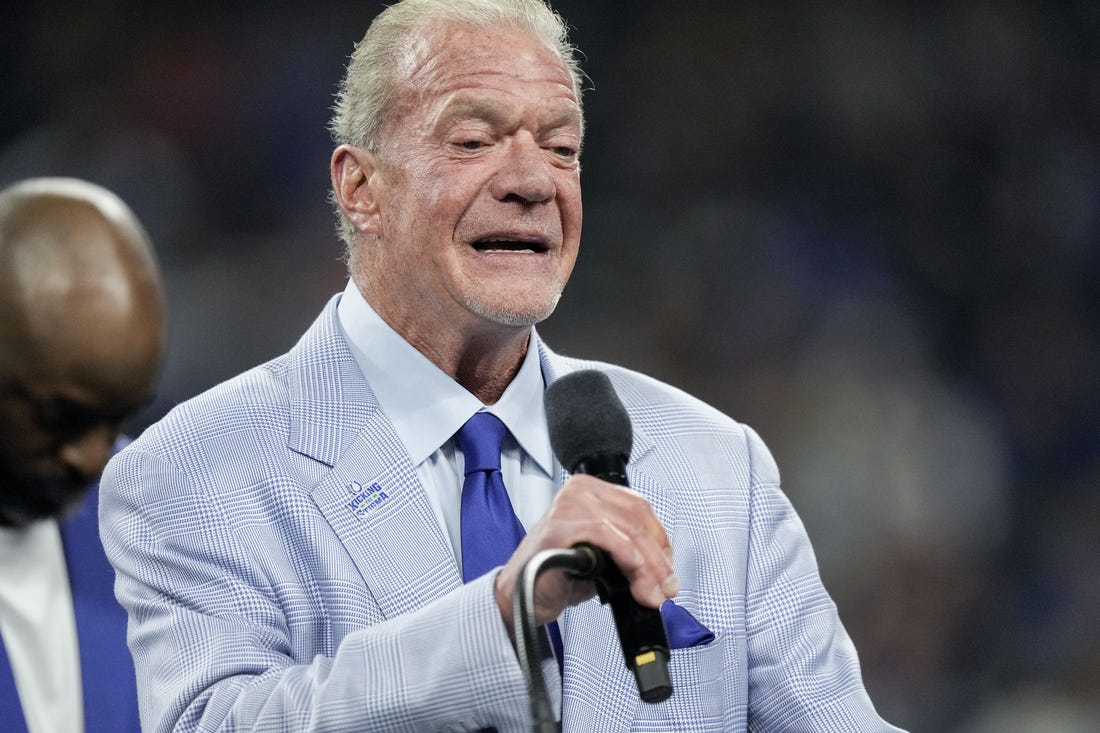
871	231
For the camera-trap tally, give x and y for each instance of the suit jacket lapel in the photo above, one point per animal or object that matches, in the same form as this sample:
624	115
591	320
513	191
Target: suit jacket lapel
377	506
372	496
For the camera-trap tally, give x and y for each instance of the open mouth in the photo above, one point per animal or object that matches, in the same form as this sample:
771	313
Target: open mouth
495	245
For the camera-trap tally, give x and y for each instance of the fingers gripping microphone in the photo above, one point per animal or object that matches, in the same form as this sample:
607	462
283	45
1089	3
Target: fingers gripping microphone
590	433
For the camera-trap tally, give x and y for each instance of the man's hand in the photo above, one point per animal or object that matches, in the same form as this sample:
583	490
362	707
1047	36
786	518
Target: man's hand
613	518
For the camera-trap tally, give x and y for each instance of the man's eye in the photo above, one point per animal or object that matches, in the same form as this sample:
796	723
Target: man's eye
66	419
471	145
564	151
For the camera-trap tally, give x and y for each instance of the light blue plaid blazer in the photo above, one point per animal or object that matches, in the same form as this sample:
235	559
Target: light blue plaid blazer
283	571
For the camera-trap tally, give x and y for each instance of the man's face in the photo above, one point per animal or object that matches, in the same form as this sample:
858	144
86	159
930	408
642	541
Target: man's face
60	414
477	185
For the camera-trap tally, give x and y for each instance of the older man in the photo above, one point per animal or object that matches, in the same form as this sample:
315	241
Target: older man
81	339
293	544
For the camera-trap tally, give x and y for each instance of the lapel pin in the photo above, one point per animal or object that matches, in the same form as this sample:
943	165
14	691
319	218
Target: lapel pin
365	500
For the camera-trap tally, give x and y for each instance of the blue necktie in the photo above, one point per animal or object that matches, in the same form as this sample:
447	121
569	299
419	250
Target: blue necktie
490	529
11	709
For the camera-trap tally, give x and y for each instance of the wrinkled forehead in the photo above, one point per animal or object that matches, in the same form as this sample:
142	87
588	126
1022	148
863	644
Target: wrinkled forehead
442	55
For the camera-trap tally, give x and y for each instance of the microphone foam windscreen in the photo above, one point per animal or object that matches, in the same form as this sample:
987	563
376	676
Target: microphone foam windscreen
586	418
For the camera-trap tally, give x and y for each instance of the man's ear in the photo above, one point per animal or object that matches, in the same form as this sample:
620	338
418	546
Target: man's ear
355	181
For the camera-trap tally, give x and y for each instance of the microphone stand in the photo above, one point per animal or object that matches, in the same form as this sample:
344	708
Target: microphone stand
581	562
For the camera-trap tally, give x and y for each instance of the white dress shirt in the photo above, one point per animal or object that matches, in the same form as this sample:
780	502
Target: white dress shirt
427	408
39	629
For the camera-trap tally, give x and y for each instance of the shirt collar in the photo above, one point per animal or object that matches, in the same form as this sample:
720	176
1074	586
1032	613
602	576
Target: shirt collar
426	406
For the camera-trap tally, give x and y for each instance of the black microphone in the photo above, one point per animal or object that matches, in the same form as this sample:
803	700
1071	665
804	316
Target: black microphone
590	432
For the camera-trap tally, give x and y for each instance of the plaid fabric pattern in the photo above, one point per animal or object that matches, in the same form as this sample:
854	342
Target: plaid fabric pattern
283	571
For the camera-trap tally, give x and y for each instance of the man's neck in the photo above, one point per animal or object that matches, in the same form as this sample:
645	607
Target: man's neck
483	357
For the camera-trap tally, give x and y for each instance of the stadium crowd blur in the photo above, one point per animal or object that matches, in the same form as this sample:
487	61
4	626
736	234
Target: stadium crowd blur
870	231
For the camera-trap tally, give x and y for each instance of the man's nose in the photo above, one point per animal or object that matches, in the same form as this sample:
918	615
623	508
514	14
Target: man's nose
525	173
87	454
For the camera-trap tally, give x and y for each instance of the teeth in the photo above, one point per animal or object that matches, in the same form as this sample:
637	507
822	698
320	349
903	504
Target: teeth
515	247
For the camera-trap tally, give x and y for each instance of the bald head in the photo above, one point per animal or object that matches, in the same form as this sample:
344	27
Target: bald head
81	338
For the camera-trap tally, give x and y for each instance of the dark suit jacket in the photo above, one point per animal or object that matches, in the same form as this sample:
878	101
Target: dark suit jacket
107	674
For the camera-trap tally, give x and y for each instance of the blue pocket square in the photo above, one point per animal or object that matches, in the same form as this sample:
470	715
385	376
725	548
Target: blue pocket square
683	630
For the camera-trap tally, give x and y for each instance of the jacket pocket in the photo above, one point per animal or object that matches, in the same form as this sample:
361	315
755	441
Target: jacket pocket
697	692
